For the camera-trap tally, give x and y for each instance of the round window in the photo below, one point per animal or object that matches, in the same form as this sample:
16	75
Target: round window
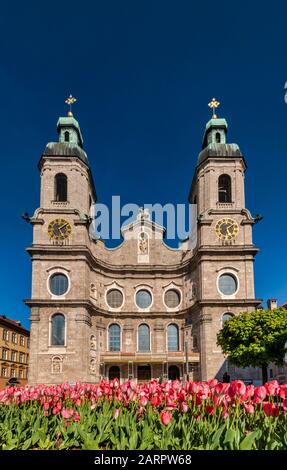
59	284
114	298
143	298
227	284
172	298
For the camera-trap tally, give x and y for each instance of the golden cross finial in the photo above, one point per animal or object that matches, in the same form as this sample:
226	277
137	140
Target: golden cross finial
213	104
70	100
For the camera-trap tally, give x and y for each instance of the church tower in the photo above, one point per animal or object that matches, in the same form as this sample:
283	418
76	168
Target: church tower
225	251
60	318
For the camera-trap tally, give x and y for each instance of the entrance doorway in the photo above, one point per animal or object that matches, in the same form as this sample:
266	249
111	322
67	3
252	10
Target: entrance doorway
114	373
144	373
173	373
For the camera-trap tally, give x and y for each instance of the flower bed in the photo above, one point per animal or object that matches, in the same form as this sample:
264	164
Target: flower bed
195	415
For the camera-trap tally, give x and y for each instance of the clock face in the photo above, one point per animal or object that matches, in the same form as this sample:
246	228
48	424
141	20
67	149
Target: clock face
59	229
227	229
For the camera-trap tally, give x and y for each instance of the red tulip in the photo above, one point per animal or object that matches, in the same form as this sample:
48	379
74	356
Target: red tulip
165	417
76	416
209	409
270	409
283	391
55	410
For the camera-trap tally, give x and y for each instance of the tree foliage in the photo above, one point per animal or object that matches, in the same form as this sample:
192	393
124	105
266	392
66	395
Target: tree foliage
255	338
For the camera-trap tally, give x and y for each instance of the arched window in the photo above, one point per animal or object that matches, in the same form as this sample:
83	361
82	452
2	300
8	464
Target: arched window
144	338
172	338
226	316
224	188
67	136
217	137
61	187
58	330
114	373
114	337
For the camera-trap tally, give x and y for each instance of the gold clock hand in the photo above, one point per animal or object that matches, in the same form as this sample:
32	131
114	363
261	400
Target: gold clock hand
228	227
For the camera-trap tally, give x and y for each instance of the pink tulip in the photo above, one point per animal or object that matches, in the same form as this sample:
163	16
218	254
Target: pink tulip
249	408
237	389
143	401
259	394
65	413
272	388
184	407
116	413
222	388
165	417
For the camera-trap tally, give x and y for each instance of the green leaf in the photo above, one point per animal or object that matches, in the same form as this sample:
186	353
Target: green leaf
248	441
230	437
216	438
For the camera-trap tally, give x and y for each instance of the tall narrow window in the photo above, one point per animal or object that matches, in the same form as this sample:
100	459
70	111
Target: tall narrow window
58	330
218	137
61	187
67	136
144	338
172	338
224	188
114	337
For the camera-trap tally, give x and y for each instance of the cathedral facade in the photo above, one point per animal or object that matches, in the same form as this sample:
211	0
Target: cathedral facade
142	310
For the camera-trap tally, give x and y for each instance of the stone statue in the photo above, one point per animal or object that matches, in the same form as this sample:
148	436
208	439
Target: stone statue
93	366
93	291
93	343
143	244
56	365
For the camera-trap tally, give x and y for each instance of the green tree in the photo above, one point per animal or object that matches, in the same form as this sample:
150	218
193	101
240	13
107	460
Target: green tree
255	339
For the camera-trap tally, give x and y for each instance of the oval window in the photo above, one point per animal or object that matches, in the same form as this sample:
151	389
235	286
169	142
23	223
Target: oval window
115	298
227	284
143	298
59	284
172	298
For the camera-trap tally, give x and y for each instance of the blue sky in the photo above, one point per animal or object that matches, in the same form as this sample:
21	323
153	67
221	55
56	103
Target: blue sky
143	73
